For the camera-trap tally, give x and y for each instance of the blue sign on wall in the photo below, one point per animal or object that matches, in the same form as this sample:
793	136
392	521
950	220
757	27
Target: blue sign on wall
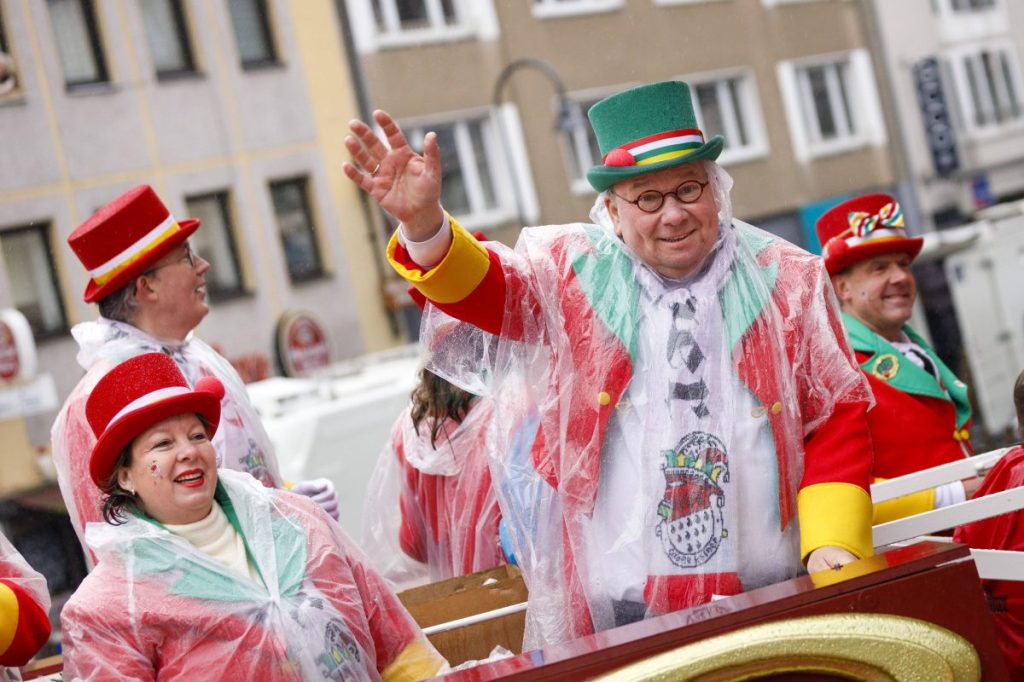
809	214
938	128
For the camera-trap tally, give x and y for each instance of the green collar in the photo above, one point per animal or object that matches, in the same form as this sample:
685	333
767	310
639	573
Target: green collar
198	580
613	292
888	364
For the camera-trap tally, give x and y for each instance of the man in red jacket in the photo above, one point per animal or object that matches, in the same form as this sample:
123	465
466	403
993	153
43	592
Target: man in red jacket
921	415
700	419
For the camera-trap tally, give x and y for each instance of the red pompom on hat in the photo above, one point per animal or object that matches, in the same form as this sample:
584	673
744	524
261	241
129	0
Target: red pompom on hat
137	394
863	227
126	238
619	158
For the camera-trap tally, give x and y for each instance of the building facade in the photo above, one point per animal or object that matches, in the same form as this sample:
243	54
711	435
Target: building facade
235	112
957	83
793	86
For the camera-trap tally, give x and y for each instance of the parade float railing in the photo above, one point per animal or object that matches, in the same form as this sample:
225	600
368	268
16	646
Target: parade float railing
992	564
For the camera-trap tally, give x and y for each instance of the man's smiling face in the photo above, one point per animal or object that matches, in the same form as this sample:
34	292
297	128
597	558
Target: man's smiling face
676	238
880	292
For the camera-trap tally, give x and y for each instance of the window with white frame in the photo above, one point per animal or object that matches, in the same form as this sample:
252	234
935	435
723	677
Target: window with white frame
216	243
423	16
990	90
389	24
582	149
971	5
474	170
562	8
32	278
728	106
832	104
78	41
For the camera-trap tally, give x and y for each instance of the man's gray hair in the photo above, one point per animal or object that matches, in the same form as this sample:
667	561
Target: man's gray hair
120	305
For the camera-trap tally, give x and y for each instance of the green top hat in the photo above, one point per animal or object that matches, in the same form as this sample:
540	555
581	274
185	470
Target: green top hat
646	129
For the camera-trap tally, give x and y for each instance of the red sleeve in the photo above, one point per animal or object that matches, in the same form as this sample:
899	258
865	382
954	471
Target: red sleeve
484	306
391	626
20	613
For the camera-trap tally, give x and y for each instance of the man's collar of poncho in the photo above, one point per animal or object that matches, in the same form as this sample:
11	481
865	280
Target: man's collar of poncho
708	278
94	338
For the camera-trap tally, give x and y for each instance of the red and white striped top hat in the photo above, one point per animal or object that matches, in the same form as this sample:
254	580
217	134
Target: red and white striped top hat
125	238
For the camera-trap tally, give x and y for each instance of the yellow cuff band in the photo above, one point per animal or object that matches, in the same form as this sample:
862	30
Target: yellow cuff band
837	515
8	616
456	276
415	662
908	505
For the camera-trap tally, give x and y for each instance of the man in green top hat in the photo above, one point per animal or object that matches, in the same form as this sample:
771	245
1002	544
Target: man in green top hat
695	422
922	414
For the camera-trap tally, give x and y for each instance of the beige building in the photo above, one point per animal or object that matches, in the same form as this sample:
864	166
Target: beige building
235	112
791	84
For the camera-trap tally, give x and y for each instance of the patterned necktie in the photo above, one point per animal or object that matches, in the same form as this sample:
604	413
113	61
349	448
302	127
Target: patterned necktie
683	346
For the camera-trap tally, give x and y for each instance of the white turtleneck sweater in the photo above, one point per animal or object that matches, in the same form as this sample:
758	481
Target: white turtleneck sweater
216	536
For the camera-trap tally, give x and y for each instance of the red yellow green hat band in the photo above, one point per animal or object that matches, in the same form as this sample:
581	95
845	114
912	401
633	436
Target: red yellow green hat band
646	129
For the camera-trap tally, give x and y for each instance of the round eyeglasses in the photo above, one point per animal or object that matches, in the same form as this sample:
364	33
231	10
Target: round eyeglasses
651	200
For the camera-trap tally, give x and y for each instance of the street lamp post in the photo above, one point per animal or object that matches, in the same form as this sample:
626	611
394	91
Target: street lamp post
565	121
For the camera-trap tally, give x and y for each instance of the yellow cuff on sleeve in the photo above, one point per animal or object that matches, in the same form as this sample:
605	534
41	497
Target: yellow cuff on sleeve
8	616
456	276
908	505
837	515
416	662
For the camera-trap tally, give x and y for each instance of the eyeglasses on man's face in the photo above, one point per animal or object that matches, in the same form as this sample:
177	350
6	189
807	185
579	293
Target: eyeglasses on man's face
189	257
652	200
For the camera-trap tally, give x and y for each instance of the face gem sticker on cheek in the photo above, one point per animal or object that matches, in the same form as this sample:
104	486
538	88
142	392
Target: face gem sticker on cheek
154	469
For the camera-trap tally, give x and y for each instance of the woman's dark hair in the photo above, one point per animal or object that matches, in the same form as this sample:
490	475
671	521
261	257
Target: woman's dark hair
1018	402
438	399
118	502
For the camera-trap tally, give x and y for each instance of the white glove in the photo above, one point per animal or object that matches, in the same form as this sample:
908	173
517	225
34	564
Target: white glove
321	491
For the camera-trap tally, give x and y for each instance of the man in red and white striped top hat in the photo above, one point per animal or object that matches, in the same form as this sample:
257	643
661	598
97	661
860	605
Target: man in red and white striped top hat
922	414
151	290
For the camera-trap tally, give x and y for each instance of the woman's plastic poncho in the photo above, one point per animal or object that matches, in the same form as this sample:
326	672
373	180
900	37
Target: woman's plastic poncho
24	605
155	607
622	503
241	442
434	504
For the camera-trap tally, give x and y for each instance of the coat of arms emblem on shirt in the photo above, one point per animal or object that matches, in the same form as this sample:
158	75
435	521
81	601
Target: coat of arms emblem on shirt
692	524
340	662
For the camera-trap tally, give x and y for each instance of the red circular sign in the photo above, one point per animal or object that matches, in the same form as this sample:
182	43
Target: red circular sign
302	344
9	361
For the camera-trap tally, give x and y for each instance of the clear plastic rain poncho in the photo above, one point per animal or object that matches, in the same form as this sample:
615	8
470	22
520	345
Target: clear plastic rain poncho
241	442
156	607
668	447
16	574
432	506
